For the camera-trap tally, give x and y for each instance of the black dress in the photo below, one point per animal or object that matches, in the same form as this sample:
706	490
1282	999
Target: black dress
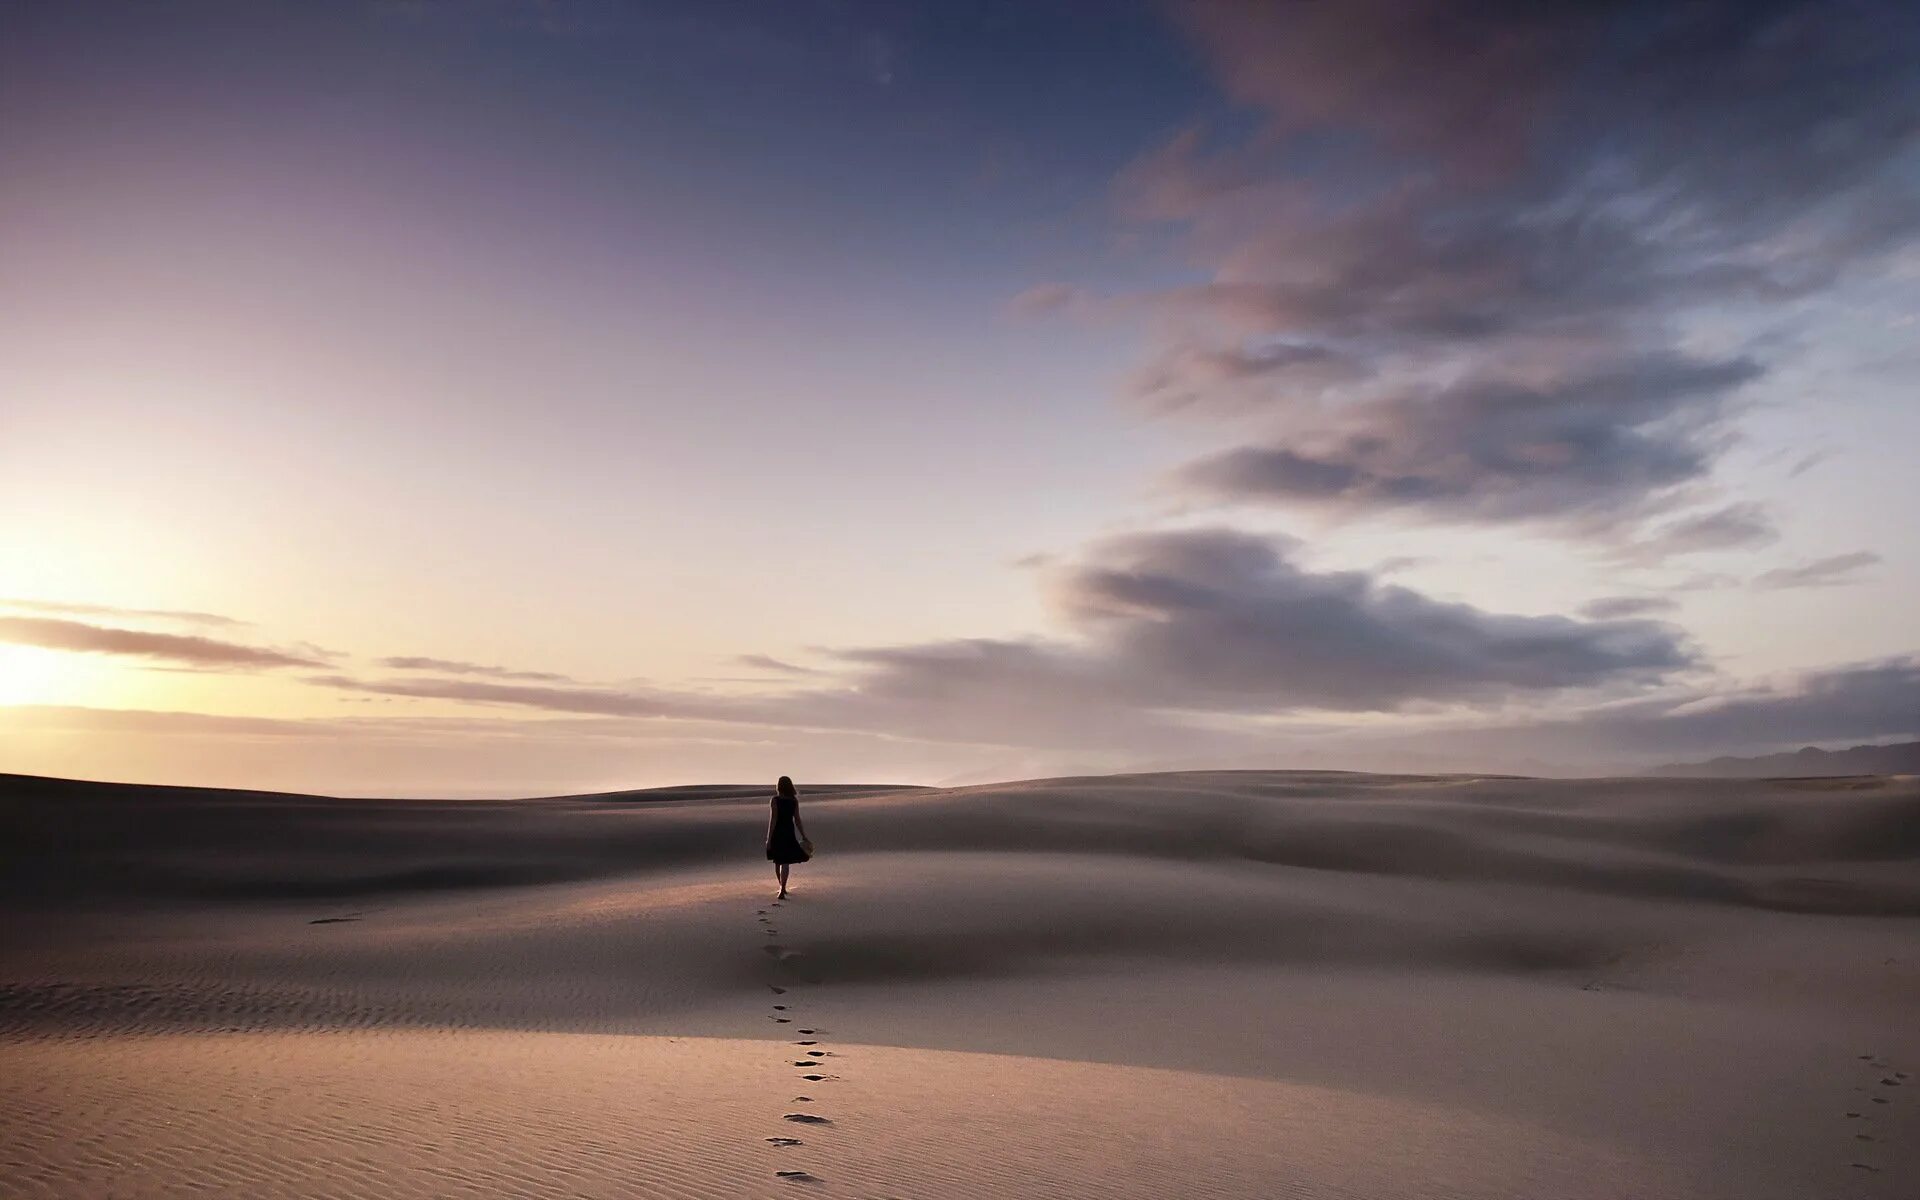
783	839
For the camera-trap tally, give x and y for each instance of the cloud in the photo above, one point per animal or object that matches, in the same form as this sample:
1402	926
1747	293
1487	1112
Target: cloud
1217	619
1234	378
1821	572
1854	701
1808	462
54	634
1766	102
1451	248
605	702
455	667
545	754
1466	78
936	701
1169	630
1704	581
1734	527
132	614
1610	608
1400	562
763	662
1871	699
1593	443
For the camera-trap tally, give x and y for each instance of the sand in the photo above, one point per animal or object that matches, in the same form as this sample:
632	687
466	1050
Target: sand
1272	984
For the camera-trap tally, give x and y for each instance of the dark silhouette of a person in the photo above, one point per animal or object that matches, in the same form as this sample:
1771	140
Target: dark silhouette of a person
786	837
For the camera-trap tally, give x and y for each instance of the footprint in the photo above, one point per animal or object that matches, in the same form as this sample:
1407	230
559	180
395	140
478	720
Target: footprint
803	1099
797	1176
816	1054
806	1119
1879	1100
813	1078
1863	1137
780	1008
1865	1167
781	1020
804	1063
808	1042
809	1031
786	1141
332	920
778	991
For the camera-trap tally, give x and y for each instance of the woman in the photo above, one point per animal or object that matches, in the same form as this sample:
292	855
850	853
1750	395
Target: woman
786	837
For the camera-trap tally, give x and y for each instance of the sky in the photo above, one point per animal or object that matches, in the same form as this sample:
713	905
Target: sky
513	397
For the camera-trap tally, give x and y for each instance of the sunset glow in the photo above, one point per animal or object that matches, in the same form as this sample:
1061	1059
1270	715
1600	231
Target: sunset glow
32	676
568	396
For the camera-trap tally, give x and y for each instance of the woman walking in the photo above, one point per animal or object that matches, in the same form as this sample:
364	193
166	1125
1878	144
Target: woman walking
786	837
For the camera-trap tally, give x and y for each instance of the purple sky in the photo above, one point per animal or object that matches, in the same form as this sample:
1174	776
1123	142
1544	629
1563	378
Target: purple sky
509	397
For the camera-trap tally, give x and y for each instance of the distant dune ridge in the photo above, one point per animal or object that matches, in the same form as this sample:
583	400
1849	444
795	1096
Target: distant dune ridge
1902	758
1232	983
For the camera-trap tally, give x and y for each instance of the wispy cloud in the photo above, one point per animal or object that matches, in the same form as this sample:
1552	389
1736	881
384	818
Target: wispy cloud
931	713
1613	608
448	666
1595	443
1446	257
55	634
592	701
1854	701
1741	526
764	662
107	610
1821	572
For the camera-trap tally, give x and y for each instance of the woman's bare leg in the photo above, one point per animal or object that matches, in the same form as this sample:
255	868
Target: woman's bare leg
780	872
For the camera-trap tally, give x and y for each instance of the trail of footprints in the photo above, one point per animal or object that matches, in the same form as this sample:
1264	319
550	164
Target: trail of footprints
810	1062
1879	1090
1867	1117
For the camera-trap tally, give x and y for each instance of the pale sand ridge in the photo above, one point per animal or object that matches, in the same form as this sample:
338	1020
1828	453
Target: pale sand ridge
1211	984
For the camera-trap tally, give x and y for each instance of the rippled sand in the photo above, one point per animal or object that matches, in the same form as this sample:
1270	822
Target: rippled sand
1208	984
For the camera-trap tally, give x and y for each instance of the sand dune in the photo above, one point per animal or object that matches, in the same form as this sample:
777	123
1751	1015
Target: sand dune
1211	984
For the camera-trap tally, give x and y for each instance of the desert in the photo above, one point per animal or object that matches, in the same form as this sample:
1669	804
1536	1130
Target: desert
1204	983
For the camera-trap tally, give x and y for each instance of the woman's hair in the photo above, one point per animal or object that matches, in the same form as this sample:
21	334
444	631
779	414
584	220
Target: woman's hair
786	786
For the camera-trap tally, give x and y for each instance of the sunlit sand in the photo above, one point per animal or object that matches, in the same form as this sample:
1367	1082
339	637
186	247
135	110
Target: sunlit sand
1205	984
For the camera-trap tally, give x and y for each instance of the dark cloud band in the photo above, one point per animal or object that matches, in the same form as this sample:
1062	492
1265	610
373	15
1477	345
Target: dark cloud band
54	634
